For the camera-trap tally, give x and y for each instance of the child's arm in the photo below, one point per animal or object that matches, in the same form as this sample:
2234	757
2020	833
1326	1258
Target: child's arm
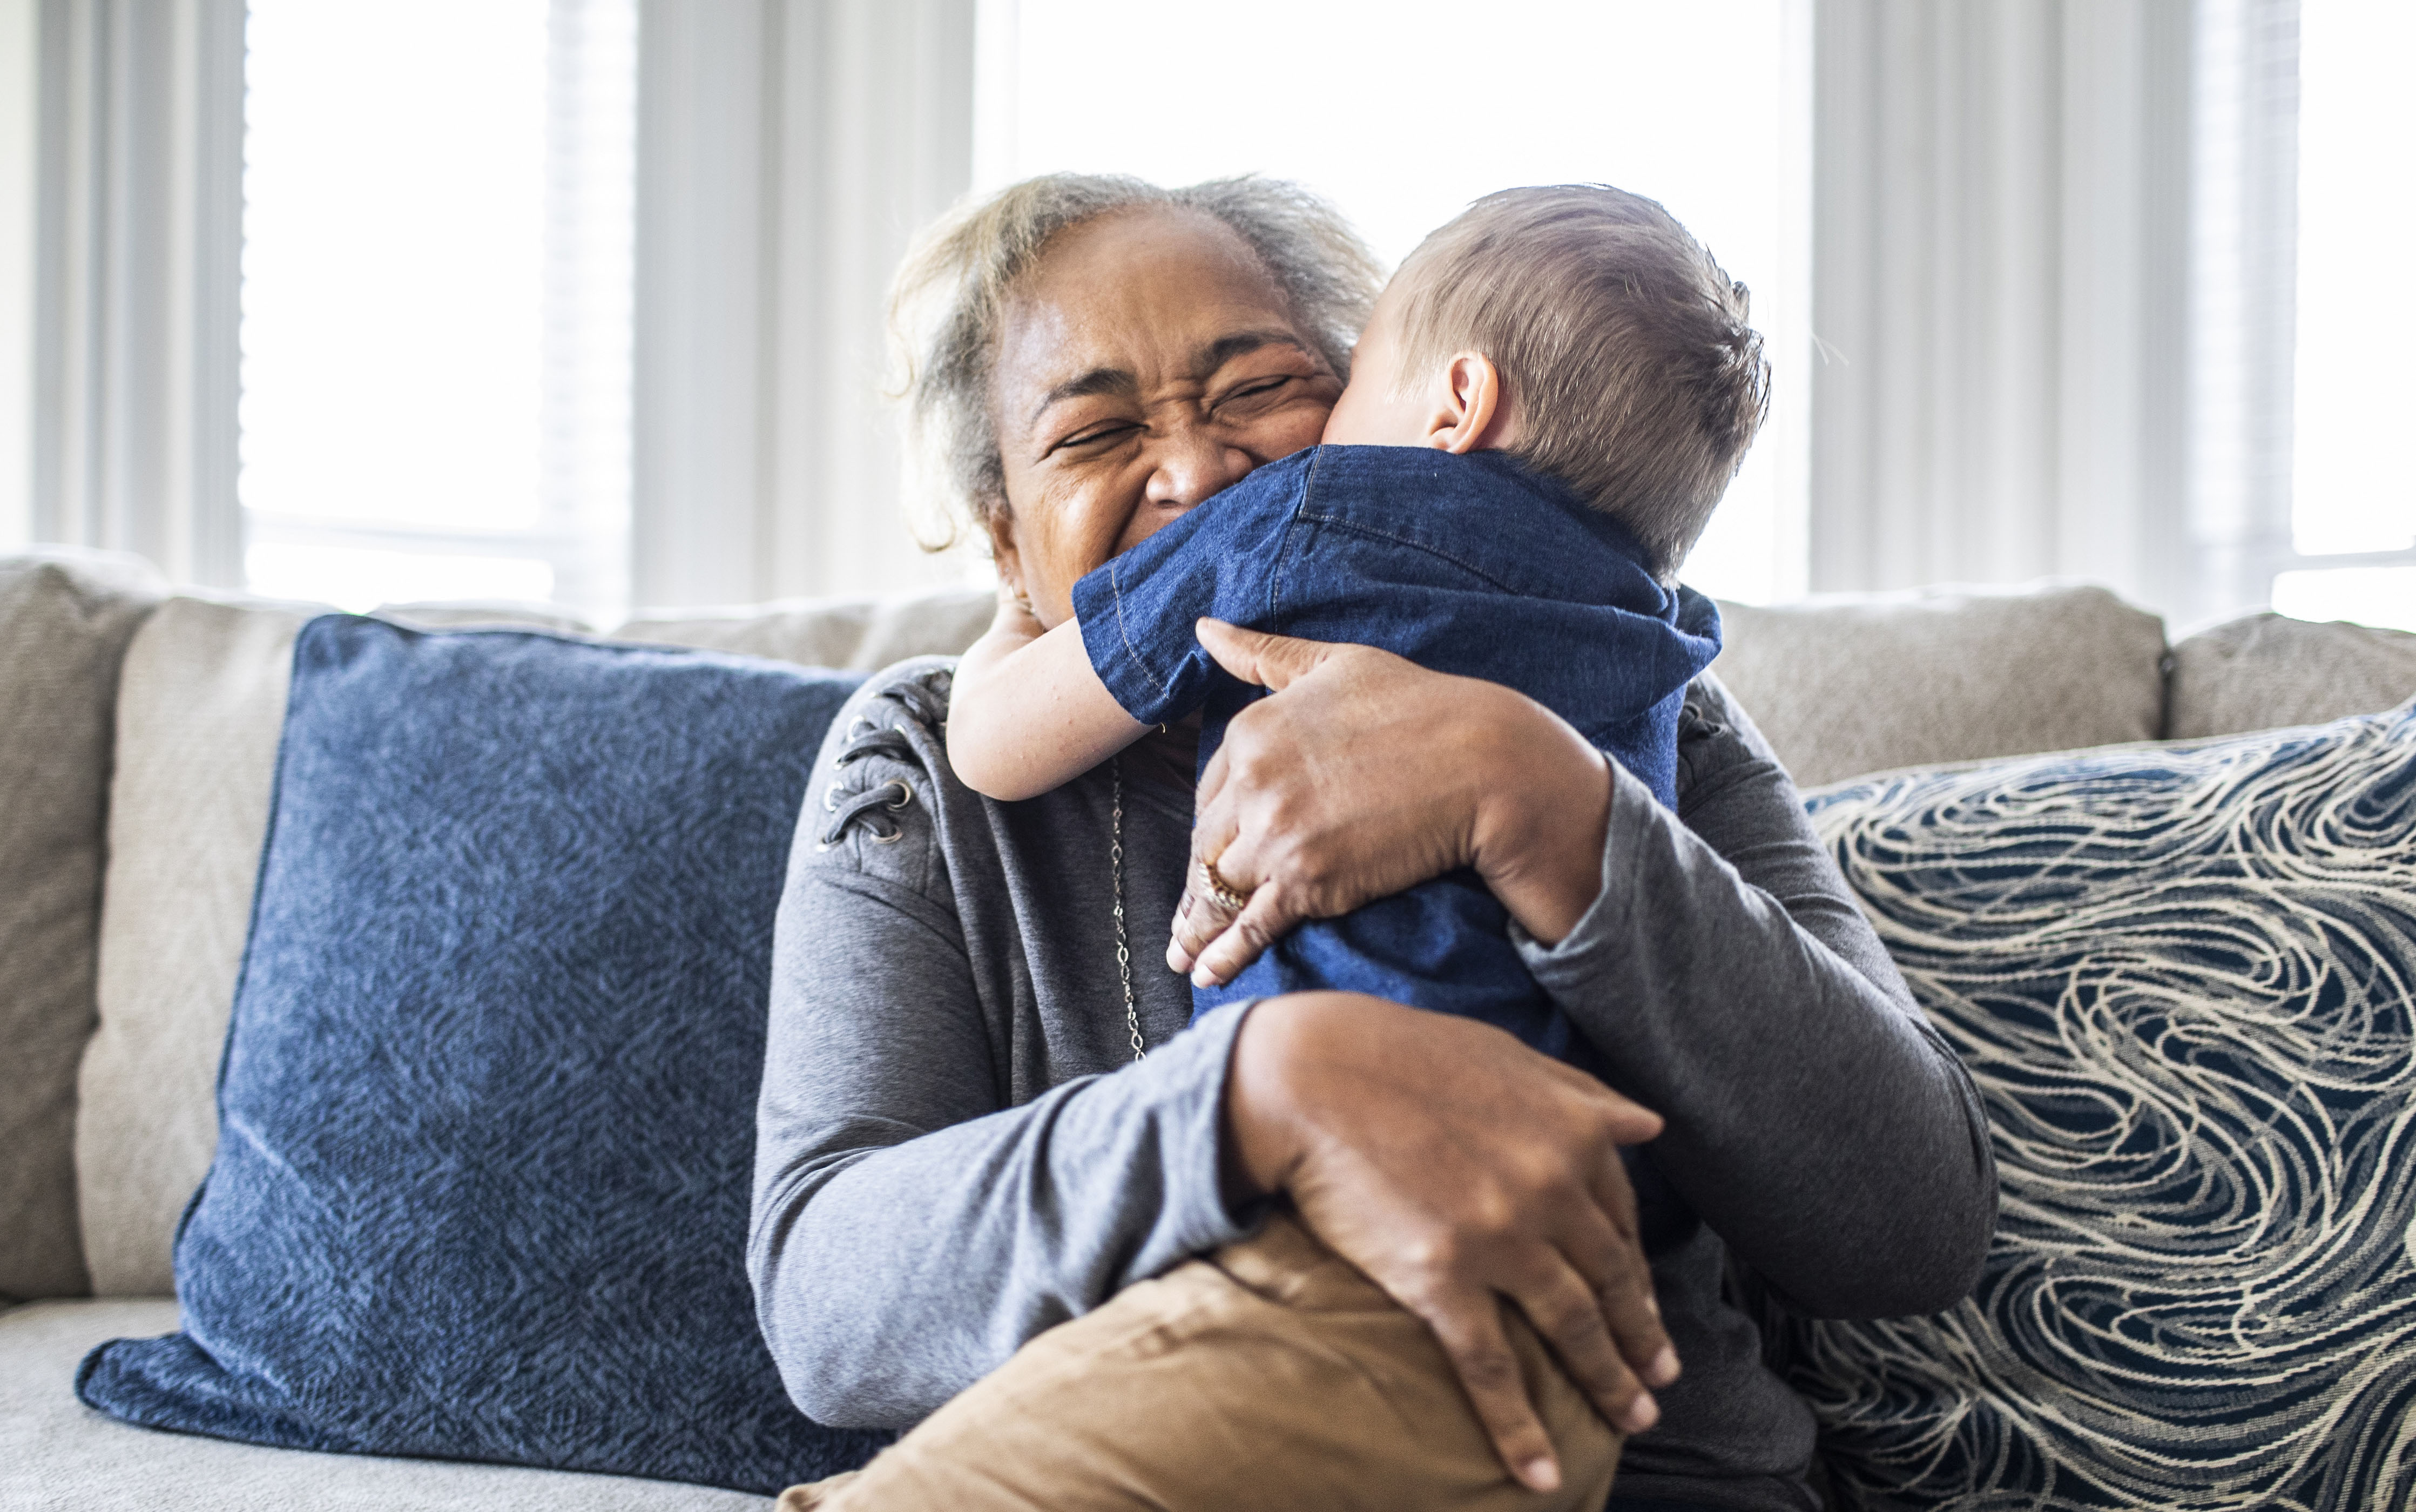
1027	714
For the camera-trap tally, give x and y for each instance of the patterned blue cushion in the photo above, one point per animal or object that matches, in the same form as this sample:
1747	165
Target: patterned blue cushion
2181	976
486	1108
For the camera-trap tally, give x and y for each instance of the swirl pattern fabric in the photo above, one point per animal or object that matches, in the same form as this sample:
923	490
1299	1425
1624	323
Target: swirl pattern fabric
2182	977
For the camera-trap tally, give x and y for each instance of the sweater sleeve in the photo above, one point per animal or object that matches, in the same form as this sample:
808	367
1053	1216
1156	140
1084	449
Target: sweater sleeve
1815	1119
1137	612
911	1228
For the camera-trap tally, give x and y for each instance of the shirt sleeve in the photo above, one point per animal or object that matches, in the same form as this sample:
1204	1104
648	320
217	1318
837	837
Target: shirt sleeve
910	1229
1814	1119
1216	562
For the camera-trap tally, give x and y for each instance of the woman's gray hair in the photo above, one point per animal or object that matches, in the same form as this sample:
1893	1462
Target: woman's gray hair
946	303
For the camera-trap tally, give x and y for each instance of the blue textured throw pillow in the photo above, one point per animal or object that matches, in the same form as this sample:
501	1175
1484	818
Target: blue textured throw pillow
2183	979
486	1108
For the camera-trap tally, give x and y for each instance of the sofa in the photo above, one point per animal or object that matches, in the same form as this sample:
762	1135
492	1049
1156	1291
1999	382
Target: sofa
139	730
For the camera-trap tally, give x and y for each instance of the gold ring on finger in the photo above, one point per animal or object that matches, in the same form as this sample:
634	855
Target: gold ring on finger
1229	897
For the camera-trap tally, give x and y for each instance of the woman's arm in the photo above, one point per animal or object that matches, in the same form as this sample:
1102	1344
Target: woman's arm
1815	1119
909	1232
1459	1169
911	1228
1028	713
1720	962
1414	773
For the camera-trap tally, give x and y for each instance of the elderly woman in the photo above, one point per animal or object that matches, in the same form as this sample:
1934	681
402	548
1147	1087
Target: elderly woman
982	1113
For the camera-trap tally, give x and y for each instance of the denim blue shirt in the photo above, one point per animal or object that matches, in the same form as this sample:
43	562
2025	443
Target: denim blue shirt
1471	565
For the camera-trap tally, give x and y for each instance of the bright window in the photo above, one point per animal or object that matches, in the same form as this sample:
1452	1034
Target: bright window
1404	112
2384	596
437	226
2352	489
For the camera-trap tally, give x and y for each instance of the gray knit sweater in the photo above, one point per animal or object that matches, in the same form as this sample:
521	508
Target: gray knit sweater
956	1151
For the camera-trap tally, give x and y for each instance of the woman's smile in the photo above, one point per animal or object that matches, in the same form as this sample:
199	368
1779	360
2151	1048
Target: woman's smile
1148	363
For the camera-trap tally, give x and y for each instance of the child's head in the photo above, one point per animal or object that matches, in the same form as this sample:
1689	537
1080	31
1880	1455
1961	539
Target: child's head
1580	329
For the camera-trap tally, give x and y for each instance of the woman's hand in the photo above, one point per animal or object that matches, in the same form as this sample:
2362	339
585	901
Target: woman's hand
1363	775
1458	1169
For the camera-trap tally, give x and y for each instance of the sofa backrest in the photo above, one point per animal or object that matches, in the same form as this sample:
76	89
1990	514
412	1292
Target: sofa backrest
2265	670
1845	684
66	617
859	634
200	707
185	700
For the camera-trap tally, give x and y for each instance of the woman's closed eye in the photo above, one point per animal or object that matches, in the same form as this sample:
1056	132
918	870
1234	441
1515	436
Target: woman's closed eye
1091	437
1241	397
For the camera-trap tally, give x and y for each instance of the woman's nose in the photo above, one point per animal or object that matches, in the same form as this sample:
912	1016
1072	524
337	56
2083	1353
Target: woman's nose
1190	466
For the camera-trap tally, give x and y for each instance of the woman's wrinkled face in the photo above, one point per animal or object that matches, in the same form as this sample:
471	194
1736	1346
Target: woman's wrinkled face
1147	362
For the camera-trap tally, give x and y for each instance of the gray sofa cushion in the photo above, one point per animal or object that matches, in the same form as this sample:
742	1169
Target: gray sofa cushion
64	619
199	712
2266	671
1844	685
55	1451
862	634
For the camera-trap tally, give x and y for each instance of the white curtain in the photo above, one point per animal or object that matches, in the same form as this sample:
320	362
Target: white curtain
787	151
139	227
2047	299
19	88
2052	253
2243	296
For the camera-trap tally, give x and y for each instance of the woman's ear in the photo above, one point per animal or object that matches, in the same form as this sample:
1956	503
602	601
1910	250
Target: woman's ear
1472	409
999	521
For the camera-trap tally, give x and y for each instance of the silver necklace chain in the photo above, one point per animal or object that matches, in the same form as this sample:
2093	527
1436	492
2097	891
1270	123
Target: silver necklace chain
1123	947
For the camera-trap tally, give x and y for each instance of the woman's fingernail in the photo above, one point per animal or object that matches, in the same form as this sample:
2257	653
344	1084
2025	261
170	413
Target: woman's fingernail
1664	1368
1642	1414
1541	1475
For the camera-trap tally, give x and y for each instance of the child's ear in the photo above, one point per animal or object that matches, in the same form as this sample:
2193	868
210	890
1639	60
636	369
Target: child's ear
1472	408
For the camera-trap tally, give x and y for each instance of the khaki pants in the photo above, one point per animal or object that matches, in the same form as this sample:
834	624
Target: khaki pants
1270	1375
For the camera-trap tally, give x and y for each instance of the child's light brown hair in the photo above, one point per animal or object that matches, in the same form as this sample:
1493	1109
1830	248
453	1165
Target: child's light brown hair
1624	349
